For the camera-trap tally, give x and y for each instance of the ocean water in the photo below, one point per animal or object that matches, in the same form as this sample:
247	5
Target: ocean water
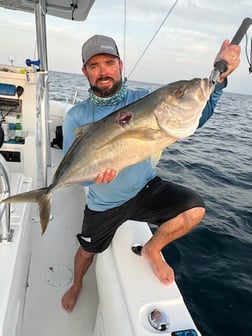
212	263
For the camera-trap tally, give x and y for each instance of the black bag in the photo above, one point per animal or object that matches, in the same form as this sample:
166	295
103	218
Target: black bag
58	140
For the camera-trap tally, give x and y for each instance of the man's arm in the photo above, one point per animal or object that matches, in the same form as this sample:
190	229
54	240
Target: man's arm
212	102
68	135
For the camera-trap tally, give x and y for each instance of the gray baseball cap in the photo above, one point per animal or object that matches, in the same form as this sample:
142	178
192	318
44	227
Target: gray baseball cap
99	44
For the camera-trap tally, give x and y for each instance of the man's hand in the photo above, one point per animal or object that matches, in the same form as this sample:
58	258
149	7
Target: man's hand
106	176
231	54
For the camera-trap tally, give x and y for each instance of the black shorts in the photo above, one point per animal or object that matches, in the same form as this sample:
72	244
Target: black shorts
156	203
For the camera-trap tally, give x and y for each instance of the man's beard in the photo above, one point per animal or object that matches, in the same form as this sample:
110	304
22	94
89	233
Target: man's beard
105	93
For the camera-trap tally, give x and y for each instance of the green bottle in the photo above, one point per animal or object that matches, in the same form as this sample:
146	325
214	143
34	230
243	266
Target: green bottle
18	132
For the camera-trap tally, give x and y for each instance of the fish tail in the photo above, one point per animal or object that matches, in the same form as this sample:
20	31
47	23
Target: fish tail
41	196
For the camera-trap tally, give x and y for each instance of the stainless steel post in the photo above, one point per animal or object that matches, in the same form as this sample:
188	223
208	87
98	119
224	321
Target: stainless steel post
5	230
40	12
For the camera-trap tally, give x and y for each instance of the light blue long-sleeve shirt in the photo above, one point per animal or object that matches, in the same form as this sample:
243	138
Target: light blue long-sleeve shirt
132	179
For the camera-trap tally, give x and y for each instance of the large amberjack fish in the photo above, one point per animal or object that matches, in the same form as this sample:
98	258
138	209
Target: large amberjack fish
127	136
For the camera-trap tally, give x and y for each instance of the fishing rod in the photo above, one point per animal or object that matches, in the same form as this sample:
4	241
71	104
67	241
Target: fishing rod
221	66
153	37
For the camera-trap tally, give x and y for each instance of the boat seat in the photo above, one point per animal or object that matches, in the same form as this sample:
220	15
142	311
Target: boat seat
129	291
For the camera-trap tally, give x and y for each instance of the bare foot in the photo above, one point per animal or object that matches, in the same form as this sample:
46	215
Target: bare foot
161	269
70	298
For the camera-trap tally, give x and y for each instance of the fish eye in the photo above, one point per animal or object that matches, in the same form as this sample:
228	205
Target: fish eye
179	93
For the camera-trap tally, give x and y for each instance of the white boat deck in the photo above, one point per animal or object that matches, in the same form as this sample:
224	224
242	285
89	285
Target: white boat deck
54	252
128	289
120	290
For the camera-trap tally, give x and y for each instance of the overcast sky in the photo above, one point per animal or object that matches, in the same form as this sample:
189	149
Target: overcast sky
184	47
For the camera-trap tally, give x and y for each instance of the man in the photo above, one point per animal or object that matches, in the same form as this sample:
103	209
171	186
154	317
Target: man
136	193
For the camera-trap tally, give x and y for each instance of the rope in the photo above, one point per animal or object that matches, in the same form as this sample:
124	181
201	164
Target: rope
124	37
249	59
250	68
148	45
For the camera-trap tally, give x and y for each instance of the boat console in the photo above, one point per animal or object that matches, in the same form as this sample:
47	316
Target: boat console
18	97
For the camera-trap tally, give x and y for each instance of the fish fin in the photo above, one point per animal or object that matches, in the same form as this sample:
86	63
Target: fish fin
79	131
40	196
29	196
155	158
44	210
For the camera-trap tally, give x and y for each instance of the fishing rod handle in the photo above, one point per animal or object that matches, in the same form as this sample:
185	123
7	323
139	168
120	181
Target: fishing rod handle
221	66
241	31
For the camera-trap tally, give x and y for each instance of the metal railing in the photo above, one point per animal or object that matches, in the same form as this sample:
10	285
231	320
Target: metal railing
5	230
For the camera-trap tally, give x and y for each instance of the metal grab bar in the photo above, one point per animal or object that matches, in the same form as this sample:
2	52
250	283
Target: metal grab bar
5	230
